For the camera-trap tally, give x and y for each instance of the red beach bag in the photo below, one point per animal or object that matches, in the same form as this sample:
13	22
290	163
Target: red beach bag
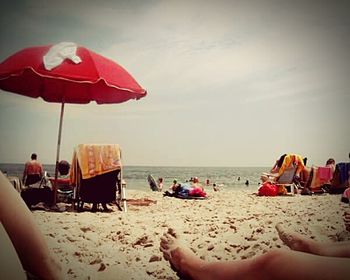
268	189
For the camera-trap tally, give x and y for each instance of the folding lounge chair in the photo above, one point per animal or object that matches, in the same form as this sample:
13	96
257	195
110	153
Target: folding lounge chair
319	179
96	173
32	179
286	180
63	184
16	183
38	192
65	189
38	183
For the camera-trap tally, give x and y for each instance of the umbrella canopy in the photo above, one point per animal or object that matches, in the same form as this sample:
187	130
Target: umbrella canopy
67	73
95	78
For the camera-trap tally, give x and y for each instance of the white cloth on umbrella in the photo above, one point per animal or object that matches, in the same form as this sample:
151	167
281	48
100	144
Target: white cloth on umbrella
58	53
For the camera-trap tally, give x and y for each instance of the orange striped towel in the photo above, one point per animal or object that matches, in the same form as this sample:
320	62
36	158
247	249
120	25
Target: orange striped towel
96	159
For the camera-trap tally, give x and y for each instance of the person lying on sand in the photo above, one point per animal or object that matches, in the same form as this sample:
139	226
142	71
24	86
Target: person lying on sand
28	254
307	259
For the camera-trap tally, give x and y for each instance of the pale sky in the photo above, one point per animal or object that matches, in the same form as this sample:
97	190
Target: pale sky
230	83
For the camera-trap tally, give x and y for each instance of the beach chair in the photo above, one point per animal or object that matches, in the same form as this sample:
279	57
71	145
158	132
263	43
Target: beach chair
96	174
32	179
16	183
286	183
63	185
319	179
65	189
38	192
340	180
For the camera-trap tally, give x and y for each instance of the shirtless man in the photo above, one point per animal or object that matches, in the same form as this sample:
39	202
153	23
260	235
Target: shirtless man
33	171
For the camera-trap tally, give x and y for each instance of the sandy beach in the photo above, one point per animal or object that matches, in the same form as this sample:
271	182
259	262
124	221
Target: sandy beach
229	225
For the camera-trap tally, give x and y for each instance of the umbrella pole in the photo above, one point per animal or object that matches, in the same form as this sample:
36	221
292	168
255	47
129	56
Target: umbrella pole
58	155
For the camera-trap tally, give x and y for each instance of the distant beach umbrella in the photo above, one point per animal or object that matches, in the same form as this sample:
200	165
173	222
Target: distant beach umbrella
67	73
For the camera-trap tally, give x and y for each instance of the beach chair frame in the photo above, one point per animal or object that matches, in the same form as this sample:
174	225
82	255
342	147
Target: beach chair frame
86	190
287	180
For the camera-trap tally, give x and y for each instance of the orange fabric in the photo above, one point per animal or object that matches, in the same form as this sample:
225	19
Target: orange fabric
95	159
292	159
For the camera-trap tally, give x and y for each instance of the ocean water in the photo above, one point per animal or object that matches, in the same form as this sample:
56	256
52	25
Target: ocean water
230	178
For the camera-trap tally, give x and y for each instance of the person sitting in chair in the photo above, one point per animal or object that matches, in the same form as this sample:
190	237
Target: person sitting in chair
63	172
33	171
63	184
284	162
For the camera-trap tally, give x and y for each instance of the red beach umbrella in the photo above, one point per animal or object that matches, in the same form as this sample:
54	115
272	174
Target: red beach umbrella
67	73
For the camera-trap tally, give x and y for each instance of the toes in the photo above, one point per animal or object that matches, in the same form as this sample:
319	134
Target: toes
169	238
164	245
279	227
280	231
172	232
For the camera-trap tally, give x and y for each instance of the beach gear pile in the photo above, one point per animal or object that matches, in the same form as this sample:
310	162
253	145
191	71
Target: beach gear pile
268	189
188	191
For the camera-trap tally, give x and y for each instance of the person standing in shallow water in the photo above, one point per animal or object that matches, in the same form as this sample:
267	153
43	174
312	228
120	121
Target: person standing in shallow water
33	171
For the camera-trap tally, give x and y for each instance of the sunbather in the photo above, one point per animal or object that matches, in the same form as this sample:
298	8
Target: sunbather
307	260
29	243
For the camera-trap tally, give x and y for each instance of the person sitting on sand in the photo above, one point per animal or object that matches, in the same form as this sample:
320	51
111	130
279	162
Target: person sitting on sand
307	260
196	189
175	187
187	189
33	171
22	244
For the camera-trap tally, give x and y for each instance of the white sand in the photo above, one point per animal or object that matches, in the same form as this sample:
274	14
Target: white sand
229	225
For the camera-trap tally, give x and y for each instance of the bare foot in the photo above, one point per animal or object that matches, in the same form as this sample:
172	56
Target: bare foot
296	241
182	260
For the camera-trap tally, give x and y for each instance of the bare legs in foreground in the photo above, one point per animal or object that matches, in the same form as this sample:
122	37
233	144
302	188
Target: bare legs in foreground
26	238
307	260
297	242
